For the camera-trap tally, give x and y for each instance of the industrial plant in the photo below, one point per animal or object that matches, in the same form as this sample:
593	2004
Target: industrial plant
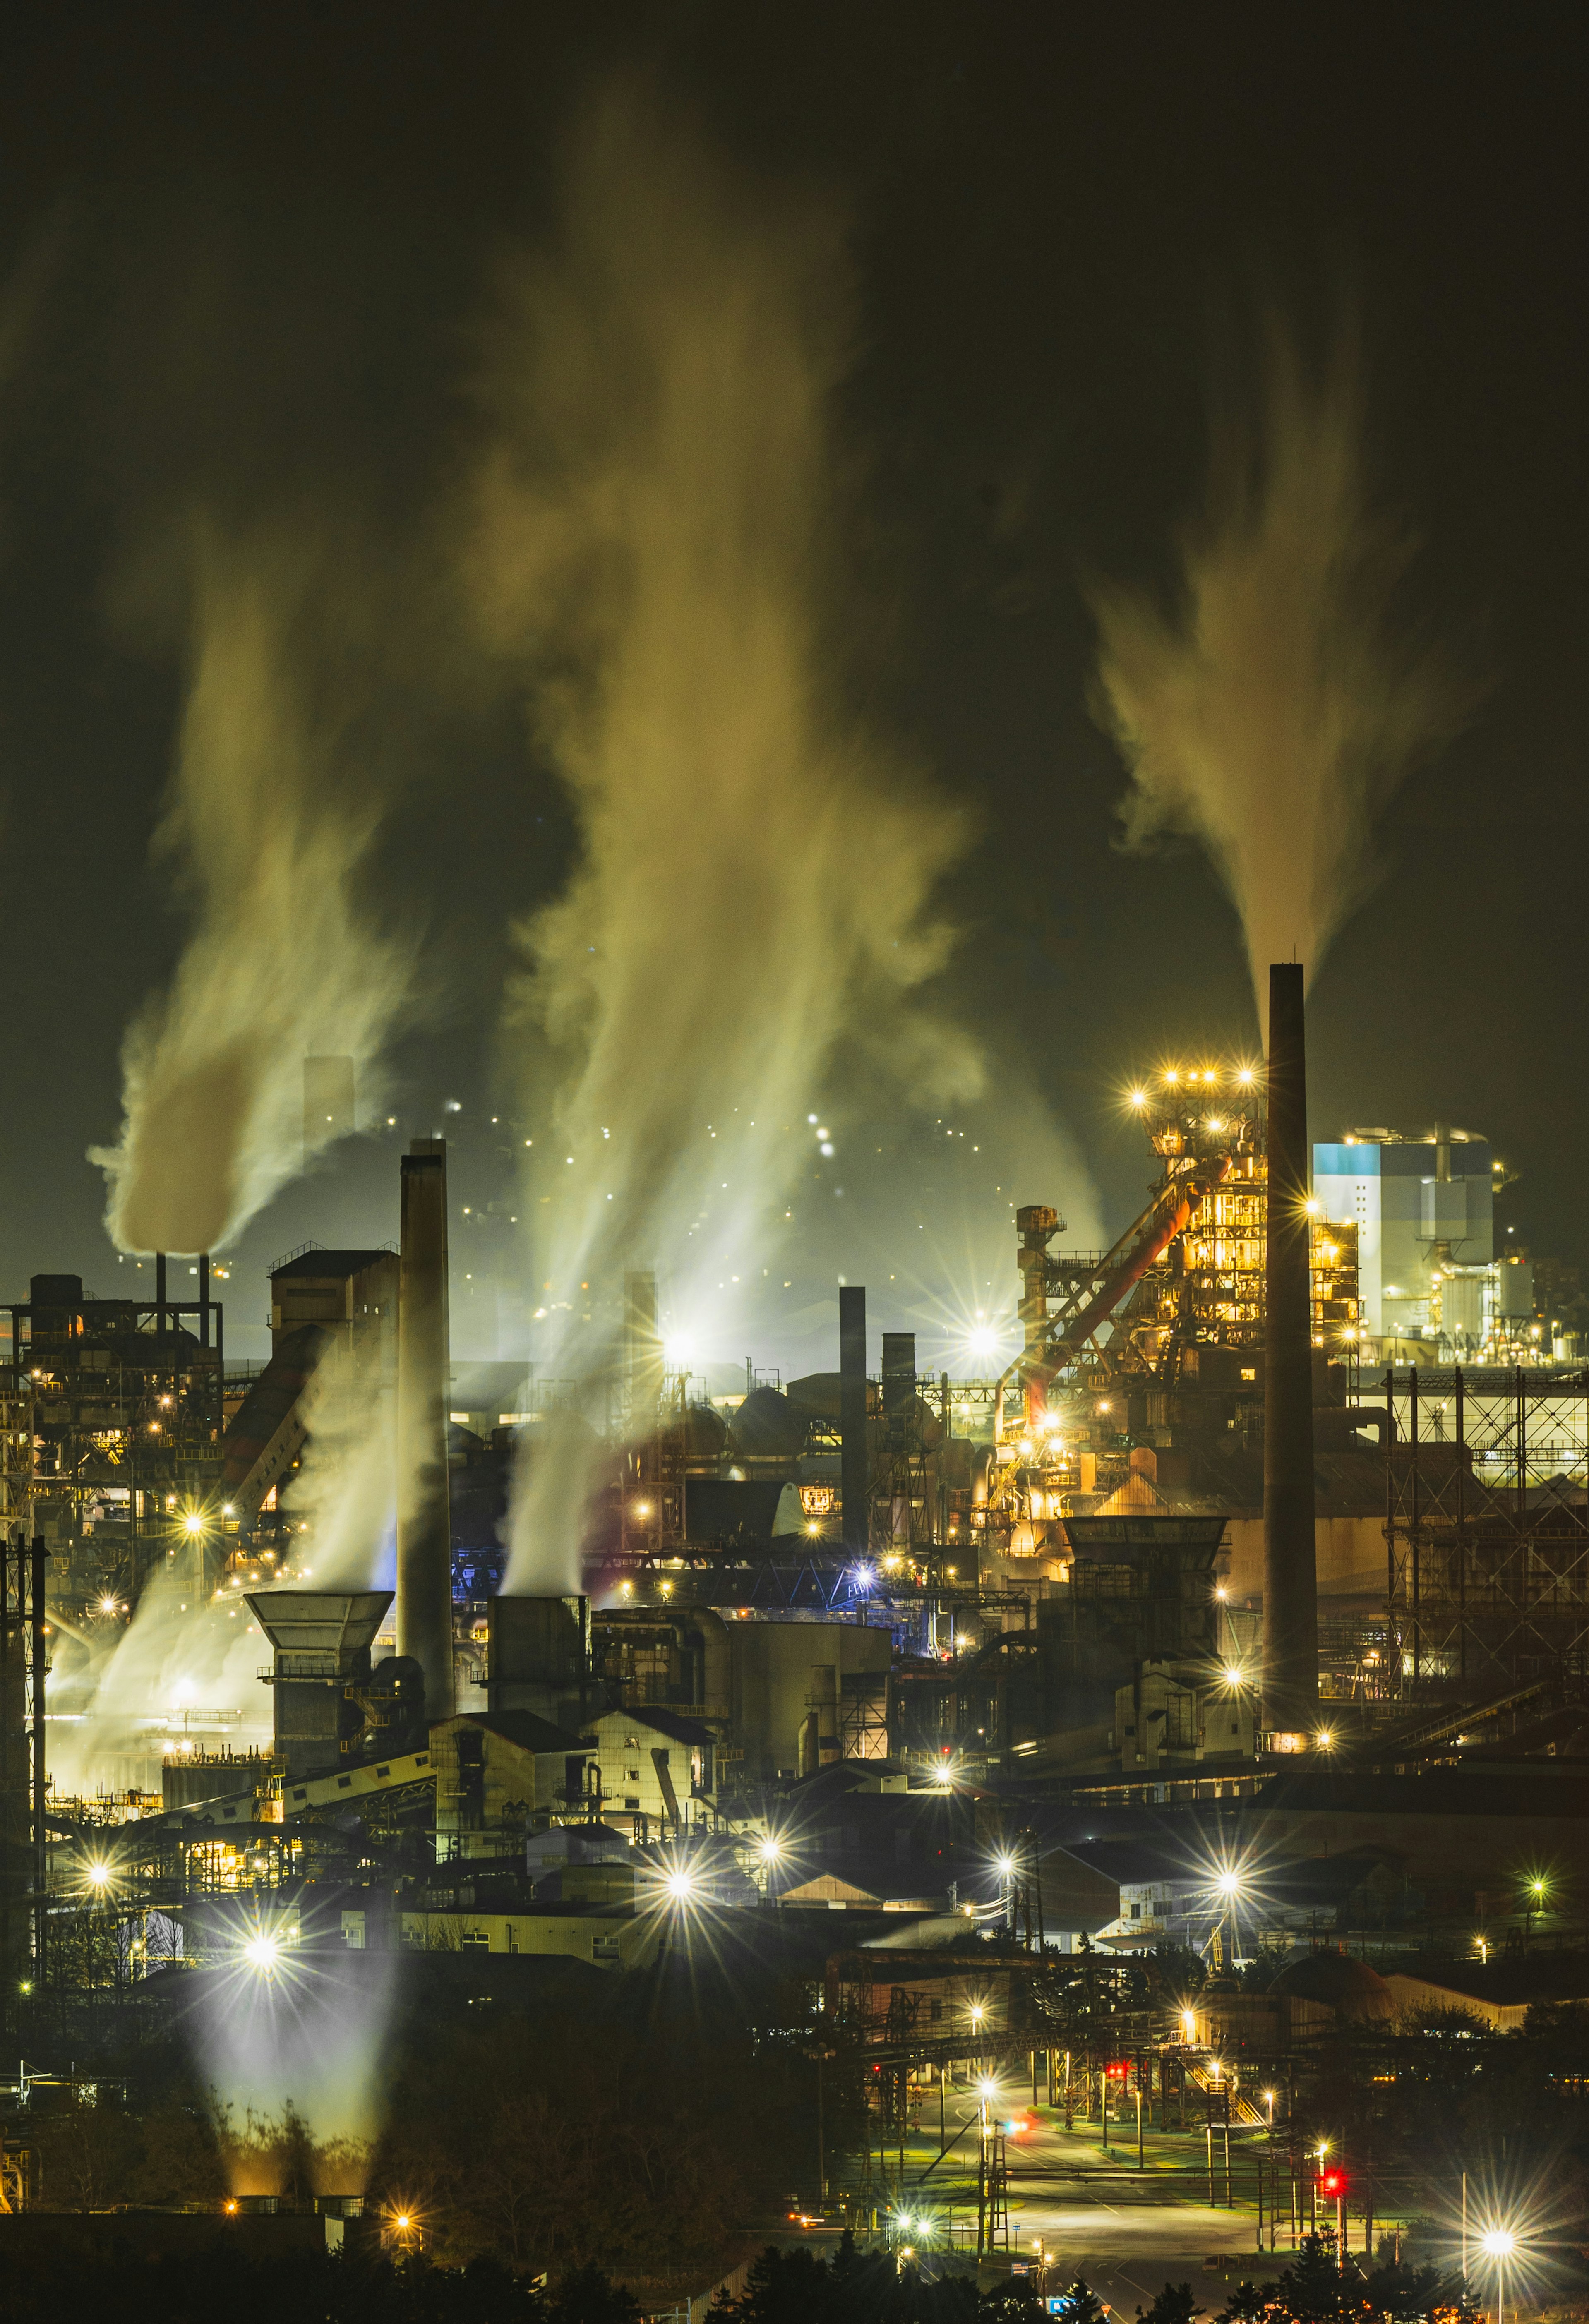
1238	1515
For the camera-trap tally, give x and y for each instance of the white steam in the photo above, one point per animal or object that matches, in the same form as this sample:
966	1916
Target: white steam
1274	715
267	835
347	1488
180	1654
652	546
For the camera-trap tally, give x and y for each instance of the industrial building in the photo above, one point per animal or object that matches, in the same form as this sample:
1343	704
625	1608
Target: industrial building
1422	1206
831	1637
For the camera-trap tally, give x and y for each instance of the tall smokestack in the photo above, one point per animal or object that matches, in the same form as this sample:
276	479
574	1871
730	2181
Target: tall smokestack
424	1505
1291	1582
852	1416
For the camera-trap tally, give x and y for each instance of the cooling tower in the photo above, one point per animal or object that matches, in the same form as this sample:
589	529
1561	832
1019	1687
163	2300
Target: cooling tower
424	1509
1290	1584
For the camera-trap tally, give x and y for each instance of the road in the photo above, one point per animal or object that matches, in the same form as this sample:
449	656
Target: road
1128	2231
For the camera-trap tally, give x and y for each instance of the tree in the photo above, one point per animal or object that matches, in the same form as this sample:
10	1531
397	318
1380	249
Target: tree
1314	2290
1014	2301
1174	2305
1246	2305
784	2287
588	2297
1083	2305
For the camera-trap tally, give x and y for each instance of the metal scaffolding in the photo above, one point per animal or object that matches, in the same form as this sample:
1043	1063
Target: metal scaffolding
1487	1527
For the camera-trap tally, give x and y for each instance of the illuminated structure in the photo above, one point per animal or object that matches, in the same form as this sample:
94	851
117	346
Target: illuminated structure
1423	1202
1161	1337
113	1436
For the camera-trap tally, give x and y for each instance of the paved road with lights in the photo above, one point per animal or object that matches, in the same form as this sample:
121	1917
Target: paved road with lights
1127	2231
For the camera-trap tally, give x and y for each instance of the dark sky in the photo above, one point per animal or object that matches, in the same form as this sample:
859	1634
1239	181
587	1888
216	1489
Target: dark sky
251	242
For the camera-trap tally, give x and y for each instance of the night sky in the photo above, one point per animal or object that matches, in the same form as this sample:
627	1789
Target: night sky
247	247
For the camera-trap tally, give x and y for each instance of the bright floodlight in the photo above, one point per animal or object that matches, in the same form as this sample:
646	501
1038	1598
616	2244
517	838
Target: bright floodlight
988	2086
1233	1676
1498	2243
262	1952
1006	1863
192	1522
98	1875
107	1605
943	1773
1228	1883
772	1849
680	1884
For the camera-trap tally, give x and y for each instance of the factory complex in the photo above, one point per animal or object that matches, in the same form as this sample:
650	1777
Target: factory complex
1239	1622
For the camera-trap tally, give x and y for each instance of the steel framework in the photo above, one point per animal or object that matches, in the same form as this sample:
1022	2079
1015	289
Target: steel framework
1486	1527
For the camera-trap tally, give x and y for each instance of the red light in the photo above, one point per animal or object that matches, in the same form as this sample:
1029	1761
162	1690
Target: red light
1332	2183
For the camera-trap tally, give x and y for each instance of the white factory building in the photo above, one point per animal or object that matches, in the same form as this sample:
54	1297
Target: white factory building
1424	1205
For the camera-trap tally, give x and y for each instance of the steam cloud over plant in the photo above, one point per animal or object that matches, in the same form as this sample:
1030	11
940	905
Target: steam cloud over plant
1277	709
267	835
652	546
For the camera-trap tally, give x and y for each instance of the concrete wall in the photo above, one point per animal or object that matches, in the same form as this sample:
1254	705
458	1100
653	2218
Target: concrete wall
482	1808
771	1666
1351	1553
631	1781
610	1940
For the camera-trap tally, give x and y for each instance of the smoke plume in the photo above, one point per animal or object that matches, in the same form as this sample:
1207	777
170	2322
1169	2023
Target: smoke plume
347	1486
181	1653
653	546
267	835
1276	712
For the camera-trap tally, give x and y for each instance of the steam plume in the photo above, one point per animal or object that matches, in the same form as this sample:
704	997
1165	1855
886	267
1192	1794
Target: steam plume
652	544
265	833
347	1484
1277	712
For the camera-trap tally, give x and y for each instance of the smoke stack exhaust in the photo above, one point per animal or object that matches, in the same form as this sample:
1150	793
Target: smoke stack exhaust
424	1505
852	1418
1291	1582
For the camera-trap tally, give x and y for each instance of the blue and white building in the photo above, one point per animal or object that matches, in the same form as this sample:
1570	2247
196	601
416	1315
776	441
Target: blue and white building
1424	1205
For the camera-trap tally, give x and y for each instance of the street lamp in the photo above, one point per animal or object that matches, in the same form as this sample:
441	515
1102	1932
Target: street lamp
1498	2244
